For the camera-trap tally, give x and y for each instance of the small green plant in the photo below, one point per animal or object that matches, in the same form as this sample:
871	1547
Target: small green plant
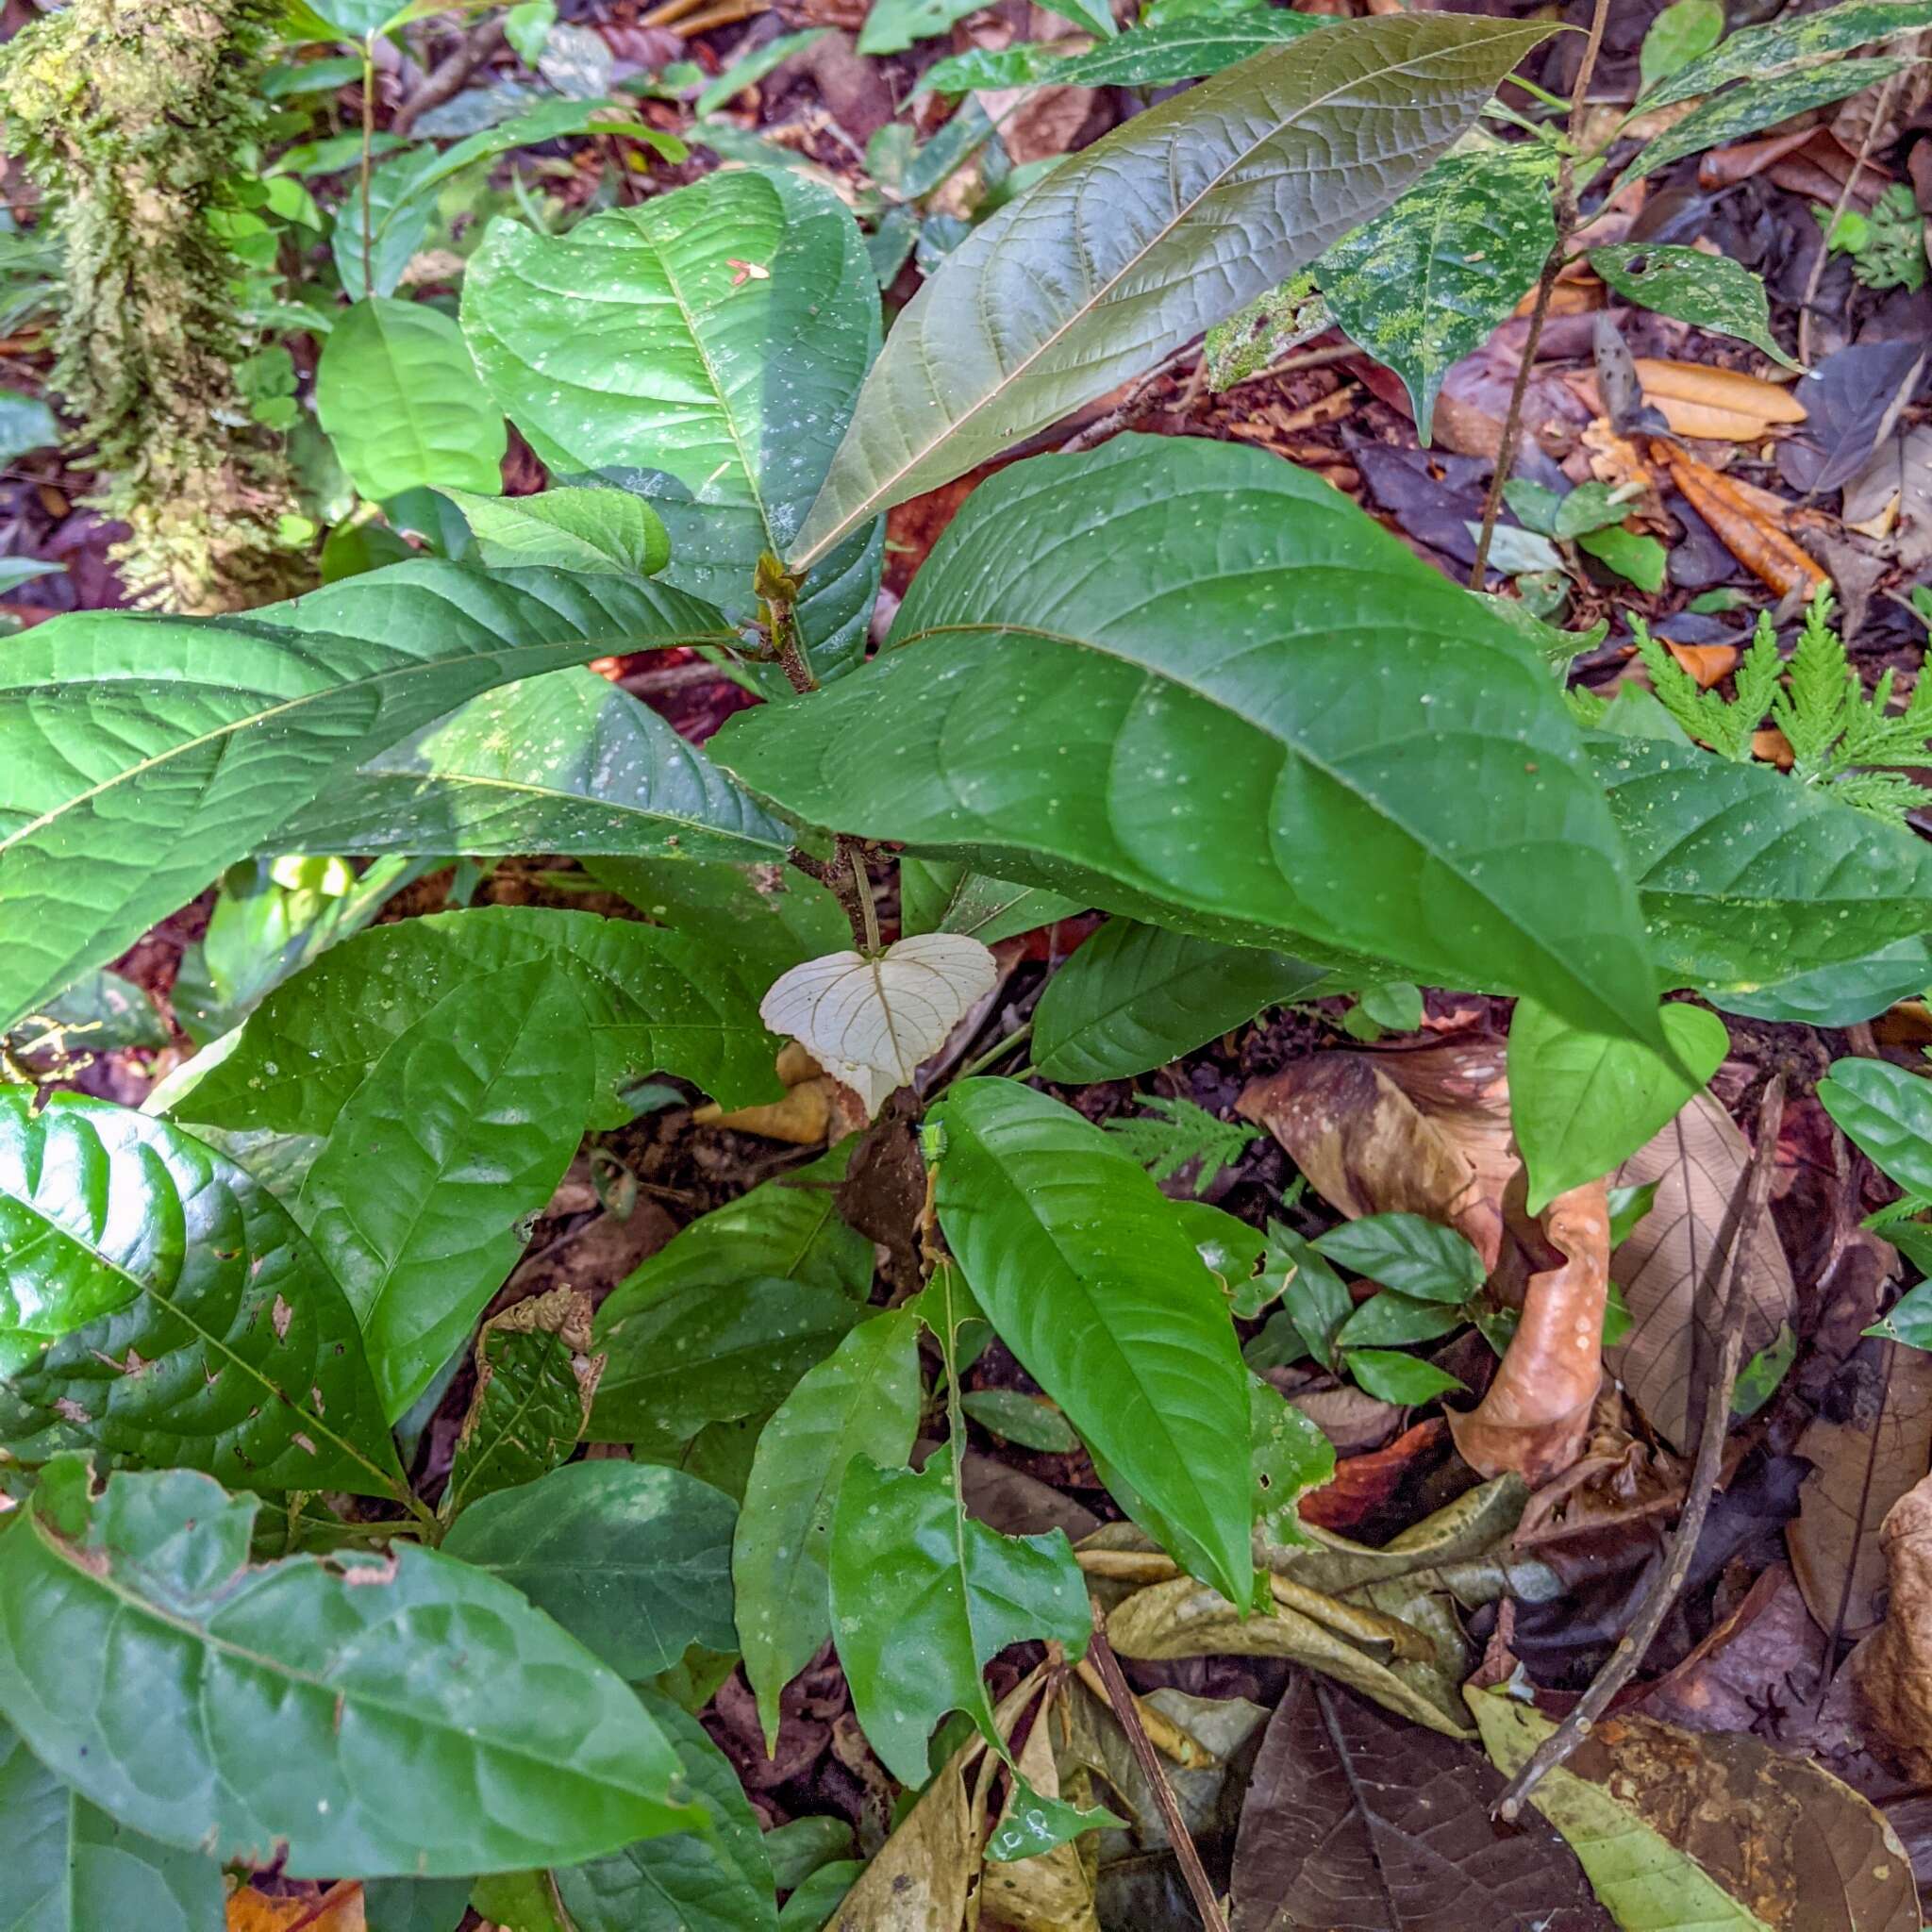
1181	1136
1887	246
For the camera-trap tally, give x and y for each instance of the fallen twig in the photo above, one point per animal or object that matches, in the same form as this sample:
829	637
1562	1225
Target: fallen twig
1881	110
1726	1268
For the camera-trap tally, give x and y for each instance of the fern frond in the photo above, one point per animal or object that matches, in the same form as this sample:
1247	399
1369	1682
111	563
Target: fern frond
1703	714
1821	695
1887	795
1186	1133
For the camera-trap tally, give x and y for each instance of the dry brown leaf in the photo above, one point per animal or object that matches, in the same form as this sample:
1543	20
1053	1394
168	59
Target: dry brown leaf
1892	1670
1731	390
1708	664
1774	747
1766	1657
922	1878
1535	1416
1696	1162
251	1911
1861	1466
1615	459
1054	1891
1748	532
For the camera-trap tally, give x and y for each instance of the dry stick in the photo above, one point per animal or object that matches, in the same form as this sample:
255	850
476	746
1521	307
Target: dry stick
1545	288
1845	195
1626	1660
1148	1759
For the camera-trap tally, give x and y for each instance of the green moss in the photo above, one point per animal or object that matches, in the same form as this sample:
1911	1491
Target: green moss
130	114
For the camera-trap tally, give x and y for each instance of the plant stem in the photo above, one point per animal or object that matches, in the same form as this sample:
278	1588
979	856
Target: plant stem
1129	1713
996	1052
1545	288
1880	110
1728	1266
368	149
861	882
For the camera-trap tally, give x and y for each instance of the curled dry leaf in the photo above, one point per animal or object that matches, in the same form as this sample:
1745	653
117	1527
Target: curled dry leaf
1724	404
1696	1162
1535	1416
1052	1891
338	1909
816	1107
1892	1670
1749	532
871	1021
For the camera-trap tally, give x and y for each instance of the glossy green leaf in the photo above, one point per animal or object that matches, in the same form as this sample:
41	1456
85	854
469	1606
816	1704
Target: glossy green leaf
1794	41
437	1161
96	1015
591	530
1313	1297
1887	1112
403	404
1582	1103
632	1559
1239	711
295	1707
718	1880
768	916
567	763
892	26
1910	1319
862	1400
748	68
415	1905
1393	1376
1135	997
1391	1317
1087	1276
1232	1251
1408	1253
1155	56
70	1868
1636	558
138	756
160	1302
518	1902
1424	285
1843	994
655	1003
1128	249
1710	290
814	1905
1746	878
703	349
1750	109
941	897
1682	33
1029	1421
923	1598
1289	1456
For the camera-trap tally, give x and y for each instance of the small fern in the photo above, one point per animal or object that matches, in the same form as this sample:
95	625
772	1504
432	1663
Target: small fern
1185	1133
1839	736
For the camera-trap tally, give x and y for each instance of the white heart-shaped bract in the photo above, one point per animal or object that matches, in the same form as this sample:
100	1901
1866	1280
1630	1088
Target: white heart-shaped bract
871	1022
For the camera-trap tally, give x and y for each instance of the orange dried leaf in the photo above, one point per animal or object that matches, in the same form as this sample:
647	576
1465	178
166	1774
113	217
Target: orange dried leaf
1774	747
1729	390
340	1910
1708	664
1745	530
805	1116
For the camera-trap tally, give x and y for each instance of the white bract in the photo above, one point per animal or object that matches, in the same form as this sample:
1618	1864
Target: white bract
871	1021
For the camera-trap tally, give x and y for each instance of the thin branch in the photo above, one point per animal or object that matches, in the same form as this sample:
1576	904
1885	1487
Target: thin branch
1879	113
450	75
1730	1265
1128	1712
1545	288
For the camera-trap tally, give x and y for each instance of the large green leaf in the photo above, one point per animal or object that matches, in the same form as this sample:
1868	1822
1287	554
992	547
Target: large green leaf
442	1157
632	1559
1748	877
1711	290
703	349
720	1881
862	1400
1424	285
1135	997
403	404
1796	41
1145	57
1089	1279
768	917
567	529
70	1868
923	1598
939	898
1192	682
384	1715
1887	1112
566	763
654	1002
1138	243
138	756
159	1301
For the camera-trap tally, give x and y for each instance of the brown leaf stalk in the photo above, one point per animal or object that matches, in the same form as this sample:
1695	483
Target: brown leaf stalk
1881	112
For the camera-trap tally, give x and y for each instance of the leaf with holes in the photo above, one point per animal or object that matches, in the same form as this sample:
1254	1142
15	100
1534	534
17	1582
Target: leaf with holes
1707	290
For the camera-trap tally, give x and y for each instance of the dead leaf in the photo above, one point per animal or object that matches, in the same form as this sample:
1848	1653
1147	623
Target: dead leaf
1363	1488
1535	1416
1728	392
1696	1162
1862	1465
1708	664
1761	1667
804	1117
1750	533
1054	1891
252	1912
1892	1670
1352	1818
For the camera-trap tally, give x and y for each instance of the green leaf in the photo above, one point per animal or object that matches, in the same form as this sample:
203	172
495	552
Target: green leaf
655	1003
539	1751
748	69
642	348
1582	1103
1840	995
27	425
403	404
1710	290
1144	56
518	1902
1135	997
1629	1206
1033	1823
1086	1275
591	530
1182	728
1119	256
1289	1456
1391	1317
567	763
862	1400
161	1303
70	1868
892	26
1796	41
796	1850
1749	109
1909	1321
1030	1421
1413	1255
717	1881
456	1139
1638	558
923	1598
1314	1296
1232	1251
1172	1135
1393	1376
1746	878
100	1013
1680	34
937	897
1886	1111
415	1905
1424	285
768	916
138	756
632	1559
812	1907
